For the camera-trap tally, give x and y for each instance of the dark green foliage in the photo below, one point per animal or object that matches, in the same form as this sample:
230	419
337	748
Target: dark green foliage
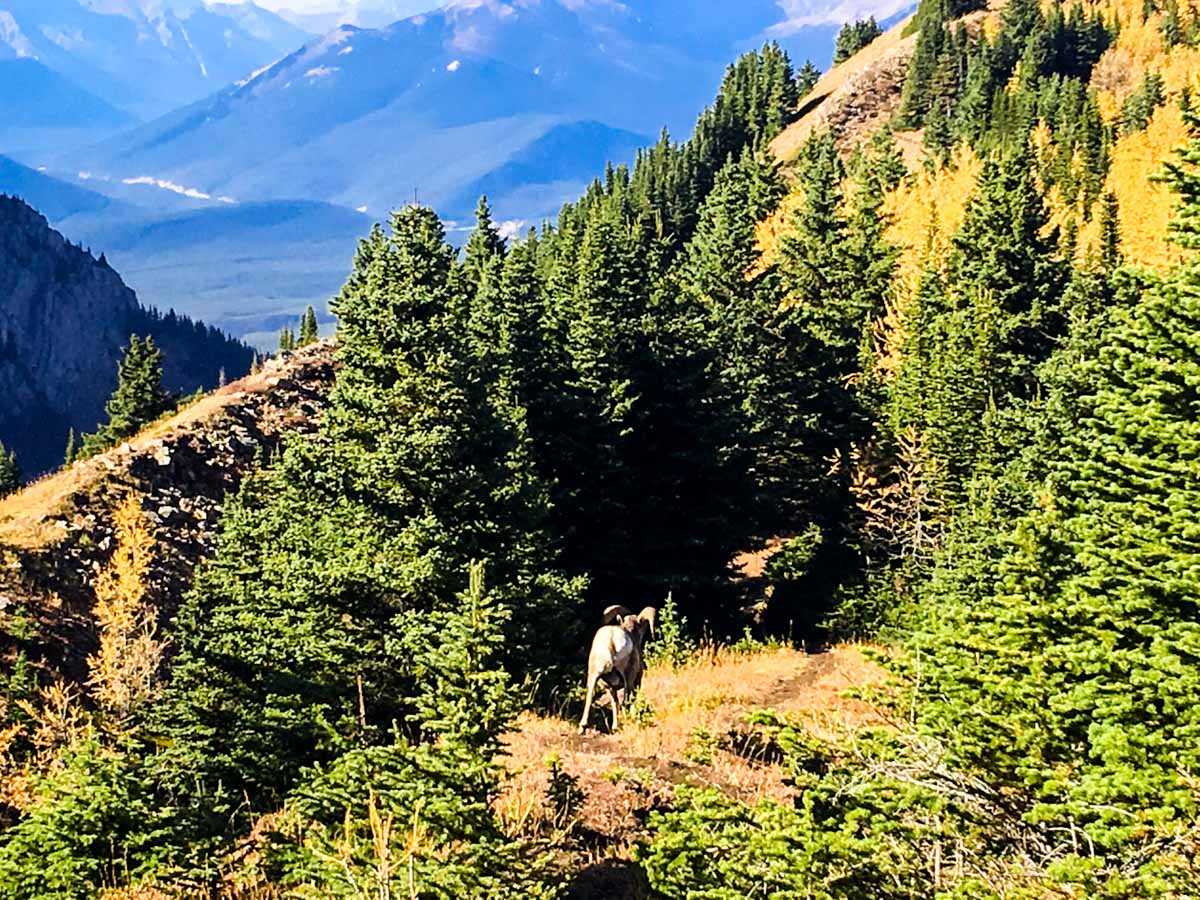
311	637
1110	233
806	79
853	37
1183	174
1062	685
292	339
1140	105
308	328
138	400
991	92
844	838
1180	26
484	246
757	99
1003	253
328	848
835	269
440	785
611	354
10	472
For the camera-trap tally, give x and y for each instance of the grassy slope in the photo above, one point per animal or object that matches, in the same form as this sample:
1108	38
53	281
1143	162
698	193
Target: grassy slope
28	517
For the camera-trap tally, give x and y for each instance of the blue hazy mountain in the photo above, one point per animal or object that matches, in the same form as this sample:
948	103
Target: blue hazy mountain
144	57
243	206
448	102
33	96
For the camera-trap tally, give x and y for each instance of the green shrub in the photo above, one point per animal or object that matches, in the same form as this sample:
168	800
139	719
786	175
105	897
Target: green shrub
94	825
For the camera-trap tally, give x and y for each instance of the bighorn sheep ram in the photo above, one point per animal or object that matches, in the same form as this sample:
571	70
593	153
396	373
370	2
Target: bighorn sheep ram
617	657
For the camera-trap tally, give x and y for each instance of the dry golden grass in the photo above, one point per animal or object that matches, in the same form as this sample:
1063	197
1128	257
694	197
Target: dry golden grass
788	143
28	518
678	740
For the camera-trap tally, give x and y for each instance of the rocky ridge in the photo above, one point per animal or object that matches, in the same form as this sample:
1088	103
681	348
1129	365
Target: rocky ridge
57	533
855	98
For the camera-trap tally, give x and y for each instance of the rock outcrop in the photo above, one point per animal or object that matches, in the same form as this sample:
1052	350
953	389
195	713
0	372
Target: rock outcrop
57	533
64	317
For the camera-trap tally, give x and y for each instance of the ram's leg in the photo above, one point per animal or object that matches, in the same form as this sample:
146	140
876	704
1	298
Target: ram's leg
587	704
637	669
616	698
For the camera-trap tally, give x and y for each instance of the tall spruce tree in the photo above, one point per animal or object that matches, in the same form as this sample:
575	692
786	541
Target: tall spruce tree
1064	684
138	400
288	652
1004	252
308	328
484	245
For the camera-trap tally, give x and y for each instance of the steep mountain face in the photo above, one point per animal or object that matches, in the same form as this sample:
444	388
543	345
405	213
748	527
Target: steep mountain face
245	268
448	104
144	57
64	317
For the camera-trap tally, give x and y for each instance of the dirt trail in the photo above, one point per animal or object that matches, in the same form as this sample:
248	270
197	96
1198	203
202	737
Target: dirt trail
687	734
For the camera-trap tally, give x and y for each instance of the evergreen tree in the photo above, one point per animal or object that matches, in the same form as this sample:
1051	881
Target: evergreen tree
1140	105
288	655
138	400
308	328
10	472
1063	684
1004	252
287	339
484	245
807	78
932	43
1110	233
72	450
853	37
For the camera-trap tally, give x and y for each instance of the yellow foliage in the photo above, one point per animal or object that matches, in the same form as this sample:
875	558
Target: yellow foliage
1146	206
1180	69
124	669
56	723
925	211
138	892
769	231
930	204
1139	49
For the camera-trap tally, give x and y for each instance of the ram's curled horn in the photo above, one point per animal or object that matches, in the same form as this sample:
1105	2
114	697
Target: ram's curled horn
649	615
614	613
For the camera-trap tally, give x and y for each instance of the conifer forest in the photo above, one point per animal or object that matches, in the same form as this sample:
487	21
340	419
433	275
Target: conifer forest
939	375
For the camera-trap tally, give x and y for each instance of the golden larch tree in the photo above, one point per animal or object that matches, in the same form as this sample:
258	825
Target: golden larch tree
125	668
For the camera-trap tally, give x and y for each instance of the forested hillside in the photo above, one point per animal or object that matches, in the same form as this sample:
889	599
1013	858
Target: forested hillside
946	397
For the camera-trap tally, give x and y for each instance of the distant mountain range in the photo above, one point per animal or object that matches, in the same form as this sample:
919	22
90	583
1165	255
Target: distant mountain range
143	57
323	16
282	147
